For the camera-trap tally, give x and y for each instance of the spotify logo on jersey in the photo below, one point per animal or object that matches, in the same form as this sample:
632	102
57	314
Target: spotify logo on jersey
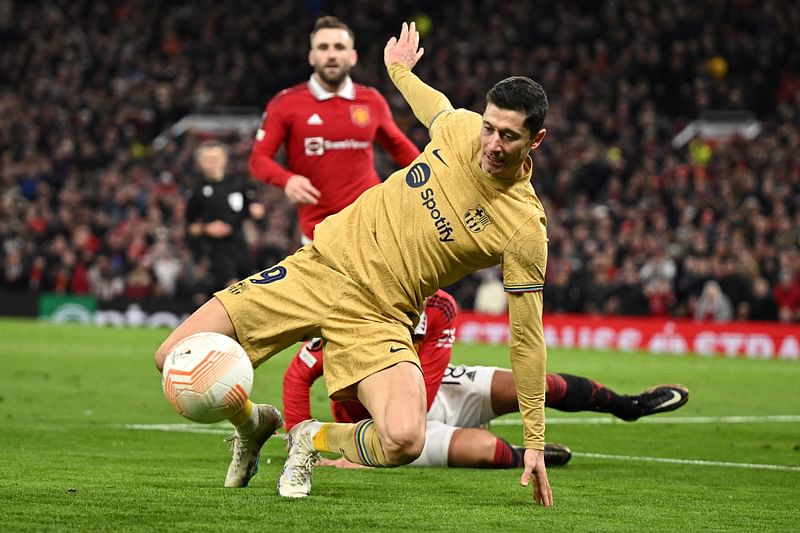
418	175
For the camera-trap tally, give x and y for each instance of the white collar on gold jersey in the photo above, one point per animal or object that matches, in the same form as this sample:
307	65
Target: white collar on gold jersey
348	90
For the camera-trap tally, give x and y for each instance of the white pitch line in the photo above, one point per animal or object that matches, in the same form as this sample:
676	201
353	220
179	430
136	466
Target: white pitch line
181	428
695	462
604	420
217	429
197	428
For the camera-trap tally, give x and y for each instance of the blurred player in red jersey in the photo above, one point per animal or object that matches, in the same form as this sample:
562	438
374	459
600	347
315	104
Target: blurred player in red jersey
328	125
463	398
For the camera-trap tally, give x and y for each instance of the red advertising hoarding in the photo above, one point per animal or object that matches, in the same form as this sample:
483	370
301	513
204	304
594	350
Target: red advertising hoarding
764	340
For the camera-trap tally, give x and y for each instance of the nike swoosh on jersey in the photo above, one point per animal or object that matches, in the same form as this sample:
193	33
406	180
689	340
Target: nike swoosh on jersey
395	349
436	153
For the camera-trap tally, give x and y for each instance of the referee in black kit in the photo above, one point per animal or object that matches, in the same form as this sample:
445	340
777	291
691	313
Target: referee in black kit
215	214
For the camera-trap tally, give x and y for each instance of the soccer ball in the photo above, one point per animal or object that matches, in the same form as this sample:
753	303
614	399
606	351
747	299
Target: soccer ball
207	377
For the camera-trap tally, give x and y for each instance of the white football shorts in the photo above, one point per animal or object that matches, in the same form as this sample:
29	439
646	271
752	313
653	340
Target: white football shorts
464	400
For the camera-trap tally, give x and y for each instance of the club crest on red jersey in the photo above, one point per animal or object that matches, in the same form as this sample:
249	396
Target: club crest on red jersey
359	114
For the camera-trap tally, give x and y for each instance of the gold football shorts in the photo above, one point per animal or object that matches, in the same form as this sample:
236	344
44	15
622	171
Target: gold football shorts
304	297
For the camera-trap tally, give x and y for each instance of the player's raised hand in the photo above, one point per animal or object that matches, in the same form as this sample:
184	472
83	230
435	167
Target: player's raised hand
534	468
404	49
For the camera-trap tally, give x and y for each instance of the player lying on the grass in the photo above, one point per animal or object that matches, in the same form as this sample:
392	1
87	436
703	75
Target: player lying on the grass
463	398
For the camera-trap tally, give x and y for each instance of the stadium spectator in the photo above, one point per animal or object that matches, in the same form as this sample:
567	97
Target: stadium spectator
713	304
105	281
166	266
13	270
328	125
196	281
36	281
628	297
490	298
139	283
660	297
762	304
787	296
563	293
696	272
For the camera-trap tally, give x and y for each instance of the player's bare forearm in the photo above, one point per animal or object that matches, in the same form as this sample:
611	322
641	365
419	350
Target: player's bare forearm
400	56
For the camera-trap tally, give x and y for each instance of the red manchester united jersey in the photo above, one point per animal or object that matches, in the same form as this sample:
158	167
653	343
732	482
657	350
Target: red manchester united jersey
329	139
437	331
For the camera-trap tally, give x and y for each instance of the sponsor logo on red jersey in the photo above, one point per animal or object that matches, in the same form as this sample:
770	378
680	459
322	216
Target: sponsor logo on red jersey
319	145
314	145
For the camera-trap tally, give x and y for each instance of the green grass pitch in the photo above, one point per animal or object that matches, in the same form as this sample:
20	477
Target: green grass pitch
71	396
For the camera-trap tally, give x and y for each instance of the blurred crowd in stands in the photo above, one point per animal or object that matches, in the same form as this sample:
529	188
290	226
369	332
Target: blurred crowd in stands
711	230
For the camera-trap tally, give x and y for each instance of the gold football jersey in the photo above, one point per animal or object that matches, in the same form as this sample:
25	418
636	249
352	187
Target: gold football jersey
441	218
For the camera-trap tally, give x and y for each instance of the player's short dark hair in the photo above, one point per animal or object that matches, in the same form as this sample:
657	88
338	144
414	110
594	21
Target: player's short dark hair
519	93
331	23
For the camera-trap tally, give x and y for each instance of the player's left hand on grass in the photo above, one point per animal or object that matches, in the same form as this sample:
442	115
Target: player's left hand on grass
535	469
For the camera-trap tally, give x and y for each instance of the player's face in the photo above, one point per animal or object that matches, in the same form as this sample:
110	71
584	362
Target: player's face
332	55
505	142
212	162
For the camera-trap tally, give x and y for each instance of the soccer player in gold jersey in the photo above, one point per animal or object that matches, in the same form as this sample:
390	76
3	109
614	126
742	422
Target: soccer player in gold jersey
466	203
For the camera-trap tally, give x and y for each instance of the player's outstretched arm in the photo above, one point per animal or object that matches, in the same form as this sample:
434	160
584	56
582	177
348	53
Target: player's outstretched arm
534	468
400	55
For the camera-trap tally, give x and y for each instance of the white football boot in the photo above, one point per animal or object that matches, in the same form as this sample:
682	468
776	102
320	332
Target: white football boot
295	480
247	448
